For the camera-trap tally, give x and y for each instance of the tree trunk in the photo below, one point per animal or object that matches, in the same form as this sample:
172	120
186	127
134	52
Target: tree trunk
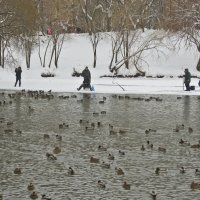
0	51
95	57
127	51
198	65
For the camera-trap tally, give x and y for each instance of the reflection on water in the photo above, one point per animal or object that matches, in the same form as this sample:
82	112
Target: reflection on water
35	115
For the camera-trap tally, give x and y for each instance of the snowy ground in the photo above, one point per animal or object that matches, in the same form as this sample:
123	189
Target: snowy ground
77	53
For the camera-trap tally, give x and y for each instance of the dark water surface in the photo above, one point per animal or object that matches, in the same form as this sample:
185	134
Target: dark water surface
129	114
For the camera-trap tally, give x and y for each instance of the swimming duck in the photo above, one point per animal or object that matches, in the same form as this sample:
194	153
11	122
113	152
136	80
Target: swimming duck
94	160
30	187
71	171
142	148
184	142
197	171
119	171
44	197
57	150
126	186
153	195
190	130
195	185
111	157
121	153
59	137
162	149
105	165
101	148
17	171
33	195
46	136
101	184
50	156
182	170
157	171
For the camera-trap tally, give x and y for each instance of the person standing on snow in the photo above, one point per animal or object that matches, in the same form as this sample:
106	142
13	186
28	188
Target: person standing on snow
18	72
187	79
86	79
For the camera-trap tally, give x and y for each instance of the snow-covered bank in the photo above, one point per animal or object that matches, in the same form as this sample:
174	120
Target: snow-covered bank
77	53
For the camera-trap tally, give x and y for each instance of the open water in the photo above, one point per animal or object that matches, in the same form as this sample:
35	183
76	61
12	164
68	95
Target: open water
22	144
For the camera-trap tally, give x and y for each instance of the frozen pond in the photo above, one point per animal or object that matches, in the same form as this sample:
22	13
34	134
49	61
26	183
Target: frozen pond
22	144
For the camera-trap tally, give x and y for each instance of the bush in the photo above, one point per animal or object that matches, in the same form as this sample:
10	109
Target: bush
47	74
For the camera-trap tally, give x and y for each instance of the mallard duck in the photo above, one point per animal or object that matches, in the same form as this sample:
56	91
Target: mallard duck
105	165
184	142
57	150
182	170
197	171
190	130
111	157
31	186
46	136
94	160
101	148
153	195
33	195
17	171
119	171
161	149
44	197
195	185
157	171
71	171
101	184
121	153
142	148
50	156
59	137
126	186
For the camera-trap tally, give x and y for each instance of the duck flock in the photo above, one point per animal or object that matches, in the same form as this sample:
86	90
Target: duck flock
95	146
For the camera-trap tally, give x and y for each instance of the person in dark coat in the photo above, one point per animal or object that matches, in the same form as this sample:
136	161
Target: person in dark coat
86	79
18	72
187	79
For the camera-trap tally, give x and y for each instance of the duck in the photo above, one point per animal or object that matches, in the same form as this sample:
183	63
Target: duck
71	171
44	197
30	187
58	137
46	136
34	195
51	156
111	157
57	150
183	142
94	160
101	148
105	165
197	171
17	171
153	195
190	130
182	170
121	153
119	171
157	171
195	185
161	149
101	184
126	186
142	148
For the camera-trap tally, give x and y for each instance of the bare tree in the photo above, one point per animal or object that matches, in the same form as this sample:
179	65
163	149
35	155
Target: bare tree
182	17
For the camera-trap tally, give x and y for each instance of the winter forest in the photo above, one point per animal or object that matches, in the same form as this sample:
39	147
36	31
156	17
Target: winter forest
22	23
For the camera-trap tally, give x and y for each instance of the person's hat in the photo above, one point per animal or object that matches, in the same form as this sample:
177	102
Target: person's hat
186	69
86	67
